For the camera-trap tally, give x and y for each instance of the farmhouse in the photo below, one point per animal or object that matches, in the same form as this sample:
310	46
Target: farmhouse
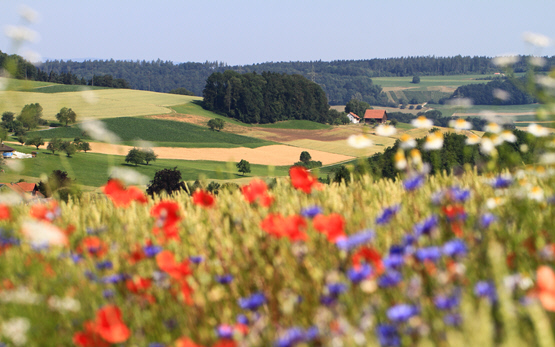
26	190
380	116
353	118
6	151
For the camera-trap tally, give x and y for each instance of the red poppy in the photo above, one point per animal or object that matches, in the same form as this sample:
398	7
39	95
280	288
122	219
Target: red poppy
121	196
546	287
166	213
89	337
371	256
225	343
302	179
455	215
137	254
93	246
187	293
290	227
332	226
138	284
203	198
256	189
110	326
166	262
5	213
45	212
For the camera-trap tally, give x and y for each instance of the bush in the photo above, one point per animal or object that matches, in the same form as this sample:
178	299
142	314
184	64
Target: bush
166	180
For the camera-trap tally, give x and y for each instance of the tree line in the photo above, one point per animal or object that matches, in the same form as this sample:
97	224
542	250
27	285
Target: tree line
341	80
500	91
265	98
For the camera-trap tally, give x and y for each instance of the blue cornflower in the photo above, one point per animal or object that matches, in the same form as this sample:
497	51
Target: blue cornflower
428	253
393	261
459	195
502	181
352	241
387	214
156	344
413	183
486	219
108	293
409	240
296	335
311	211
485	289
425	227
224	331
114	278
359	273
39	246
390	279
224	279
196	259
336	288
152	250
446	303
9	241
242	319
401	313
252	302
454	248
388	335
76	258
104	265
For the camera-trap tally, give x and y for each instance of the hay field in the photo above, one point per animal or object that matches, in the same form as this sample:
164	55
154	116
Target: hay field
276	155
105	103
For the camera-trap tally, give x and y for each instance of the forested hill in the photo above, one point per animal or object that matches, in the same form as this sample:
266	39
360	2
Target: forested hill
340	79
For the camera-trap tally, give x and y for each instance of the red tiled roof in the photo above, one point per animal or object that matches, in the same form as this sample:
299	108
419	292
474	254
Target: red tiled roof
374	114
354	115
26	186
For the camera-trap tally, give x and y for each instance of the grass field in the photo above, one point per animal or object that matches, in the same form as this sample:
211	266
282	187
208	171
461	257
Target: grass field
296	124
504	111
426	82
91	169
105	103
162	132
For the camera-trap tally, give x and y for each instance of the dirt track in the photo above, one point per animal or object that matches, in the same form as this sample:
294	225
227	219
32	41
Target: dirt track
267	155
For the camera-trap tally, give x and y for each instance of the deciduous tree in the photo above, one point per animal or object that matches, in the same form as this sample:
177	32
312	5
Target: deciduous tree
31	115
36	141
244	166
135	156
168	180
66	115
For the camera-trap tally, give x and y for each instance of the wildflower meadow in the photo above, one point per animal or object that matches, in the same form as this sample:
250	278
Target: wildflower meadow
422	260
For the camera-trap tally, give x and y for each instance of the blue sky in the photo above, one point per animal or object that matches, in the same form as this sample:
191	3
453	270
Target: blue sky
256	31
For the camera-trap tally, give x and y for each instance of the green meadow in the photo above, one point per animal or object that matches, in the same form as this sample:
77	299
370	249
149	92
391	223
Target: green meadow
92	169
164	133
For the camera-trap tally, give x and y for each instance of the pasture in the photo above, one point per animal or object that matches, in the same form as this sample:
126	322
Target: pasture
102	103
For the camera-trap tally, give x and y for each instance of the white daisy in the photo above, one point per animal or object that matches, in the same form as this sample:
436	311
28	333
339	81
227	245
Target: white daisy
508	136
493	128
400	160
537	130
407	141
385	130
422	122
472	139
359	141
506	60
486	146
460	124
537	40
434	141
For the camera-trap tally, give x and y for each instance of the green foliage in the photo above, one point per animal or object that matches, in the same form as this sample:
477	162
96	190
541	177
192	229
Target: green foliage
298	124
166	180
83	146
264	98
66	115
485	94
21	139
35	141
181	91
357	107
244	166
68	147
305	157
416	80
54	145
149	155
216	123
31	115
135	156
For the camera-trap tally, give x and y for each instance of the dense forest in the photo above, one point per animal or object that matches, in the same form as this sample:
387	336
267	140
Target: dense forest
265	98
500	91
341	80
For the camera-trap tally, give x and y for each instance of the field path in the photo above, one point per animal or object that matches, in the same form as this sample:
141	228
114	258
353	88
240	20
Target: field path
267	155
